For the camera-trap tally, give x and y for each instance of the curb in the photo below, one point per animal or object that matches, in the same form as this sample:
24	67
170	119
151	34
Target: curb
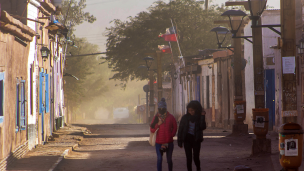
59	159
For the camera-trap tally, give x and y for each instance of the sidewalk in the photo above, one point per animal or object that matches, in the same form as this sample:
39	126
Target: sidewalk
275	154
47	157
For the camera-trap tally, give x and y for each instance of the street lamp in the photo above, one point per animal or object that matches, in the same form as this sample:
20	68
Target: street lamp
221	31
149	61
45	53
234	31
256	8
234	13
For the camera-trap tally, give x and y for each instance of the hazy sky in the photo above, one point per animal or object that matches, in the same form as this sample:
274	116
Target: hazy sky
108	10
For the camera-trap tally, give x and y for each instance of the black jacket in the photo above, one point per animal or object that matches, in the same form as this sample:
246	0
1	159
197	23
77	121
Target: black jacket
200	125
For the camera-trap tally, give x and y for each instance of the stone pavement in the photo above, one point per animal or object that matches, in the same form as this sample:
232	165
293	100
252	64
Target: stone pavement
47	157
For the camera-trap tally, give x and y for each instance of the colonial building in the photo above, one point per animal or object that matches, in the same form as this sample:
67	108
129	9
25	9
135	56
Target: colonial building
31	43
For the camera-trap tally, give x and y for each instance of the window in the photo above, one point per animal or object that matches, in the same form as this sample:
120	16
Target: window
1	96
20	105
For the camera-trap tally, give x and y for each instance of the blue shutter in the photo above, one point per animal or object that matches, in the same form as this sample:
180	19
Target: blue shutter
47	102
23	102
17	106
41	105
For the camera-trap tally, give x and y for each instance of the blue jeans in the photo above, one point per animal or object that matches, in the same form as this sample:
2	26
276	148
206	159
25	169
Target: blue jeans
160	157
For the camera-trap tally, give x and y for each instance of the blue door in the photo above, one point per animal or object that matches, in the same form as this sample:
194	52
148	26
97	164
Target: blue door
270	96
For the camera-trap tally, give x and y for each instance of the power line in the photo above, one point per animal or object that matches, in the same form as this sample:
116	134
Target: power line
87	54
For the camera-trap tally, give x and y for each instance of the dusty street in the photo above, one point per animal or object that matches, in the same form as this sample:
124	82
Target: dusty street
126	148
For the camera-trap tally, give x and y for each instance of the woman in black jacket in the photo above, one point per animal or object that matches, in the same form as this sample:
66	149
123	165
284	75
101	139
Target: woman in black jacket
190	133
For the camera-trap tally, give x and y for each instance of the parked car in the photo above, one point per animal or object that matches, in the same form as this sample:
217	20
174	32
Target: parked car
121	113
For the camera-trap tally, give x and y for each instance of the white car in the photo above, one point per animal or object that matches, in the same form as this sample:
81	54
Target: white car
120	113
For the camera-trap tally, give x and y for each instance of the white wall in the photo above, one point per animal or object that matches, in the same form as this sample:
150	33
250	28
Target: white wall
249	79
269	39
32	14
206	71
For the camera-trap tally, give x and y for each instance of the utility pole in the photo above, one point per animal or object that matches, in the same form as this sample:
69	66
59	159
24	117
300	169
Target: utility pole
239	103
288	49
159	75
151	105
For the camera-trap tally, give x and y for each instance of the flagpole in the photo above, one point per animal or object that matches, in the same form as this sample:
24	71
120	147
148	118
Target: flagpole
171	53
181	55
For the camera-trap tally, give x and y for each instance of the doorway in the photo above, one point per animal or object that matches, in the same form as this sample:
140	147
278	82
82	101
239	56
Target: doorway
270	96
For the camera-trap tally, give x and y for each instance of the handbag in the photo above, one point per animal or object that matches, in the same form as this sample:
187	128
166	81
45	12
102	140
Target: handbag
152	138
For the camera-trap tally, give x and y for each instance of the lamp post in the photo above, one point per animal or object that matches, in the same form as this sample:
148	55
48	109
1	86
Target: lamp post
149	62
236	22
260	114
159	55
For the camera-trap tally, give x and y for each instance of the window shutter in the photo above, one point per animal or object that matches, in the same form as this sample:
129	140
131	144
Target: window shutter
47	105
17	107
23	102
41	105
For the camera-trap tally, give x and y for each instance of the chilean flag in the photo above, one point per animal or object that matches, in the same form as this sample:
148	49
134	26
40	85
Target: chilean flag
164	48
170	35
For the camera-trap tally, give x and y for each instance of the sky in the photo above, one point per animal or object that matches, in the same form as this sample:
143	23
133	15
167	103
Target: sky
108	10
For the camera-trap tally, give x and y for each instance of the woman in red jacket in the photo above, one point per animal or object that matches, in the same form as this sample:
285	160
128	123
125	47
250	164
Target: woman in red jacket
167	126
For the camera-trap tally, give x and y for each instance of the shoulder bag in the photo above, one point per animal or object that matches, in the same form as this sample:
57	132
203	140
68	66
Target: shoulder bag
152	138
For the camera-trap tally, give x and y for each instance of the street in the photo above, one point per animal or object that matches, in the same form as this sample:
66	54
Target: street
112	147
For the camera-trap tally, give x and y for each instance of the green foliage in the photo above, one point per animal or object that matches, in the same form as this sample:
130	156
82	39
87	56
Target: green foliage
73	13
128	41
87	69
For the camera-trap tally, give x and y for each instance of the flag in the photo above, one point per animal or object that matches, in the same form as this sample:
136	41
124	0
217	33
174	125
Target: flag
170	34
164	48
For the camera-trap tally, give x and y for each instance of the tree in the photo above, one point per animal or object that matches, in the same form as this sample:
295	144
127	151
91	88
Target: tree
74	15
128	41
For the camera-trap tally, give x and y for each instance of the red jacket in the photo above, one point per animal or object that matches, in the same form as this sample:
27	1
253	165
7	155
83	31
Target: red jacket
167	130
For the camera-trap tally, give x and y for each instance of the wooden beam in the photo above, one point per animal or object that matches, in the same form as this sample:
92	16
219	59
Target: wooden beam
17	16
238	3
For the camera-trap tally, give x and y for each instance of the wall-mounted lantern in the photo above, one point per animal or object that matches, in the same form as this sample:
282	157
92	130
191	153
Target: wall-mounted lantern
45	53
175	76
301	46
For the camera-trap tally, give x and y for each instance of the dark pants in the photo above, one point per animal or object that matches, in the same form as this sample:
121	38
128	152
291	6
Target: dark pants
160	156
189	146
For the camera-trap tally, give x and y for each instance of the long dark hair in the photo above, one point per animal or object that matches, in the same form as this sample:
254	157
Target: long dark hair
196	106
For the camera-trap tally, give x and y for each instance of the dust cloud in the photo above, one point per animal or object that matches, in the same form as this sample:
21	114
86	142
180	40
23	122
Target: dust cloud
116	106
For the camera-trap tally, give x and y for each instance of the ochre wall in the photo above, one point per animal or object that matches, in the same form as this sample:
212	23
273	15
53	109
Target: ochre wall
13	61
